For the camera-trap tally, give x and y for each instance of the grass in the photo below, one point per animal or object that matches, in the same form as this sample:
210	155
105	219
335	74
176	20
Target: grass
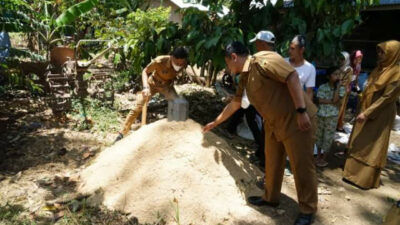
10	215
101	117
87	215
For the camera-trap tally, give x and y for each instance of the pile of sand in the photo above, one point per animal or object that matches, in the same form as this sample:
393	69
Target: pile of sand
145	171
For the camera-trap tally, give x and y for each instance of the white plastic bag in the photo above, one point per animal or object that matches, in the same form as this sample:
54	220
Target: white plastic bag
245	101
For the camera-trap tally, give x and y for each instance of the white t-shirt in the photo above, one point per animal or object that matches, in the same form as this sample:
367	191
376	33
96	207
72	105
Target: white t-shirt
306	73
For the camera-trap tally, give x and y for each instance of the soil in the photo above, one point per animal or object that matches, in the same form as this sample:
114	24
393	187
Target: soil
42	156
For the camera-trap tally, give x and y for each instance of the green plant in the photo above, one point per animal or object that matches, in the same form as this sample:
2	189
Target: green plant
207	34
101	117
75	11
10	215
39	17
324	23
176	207
121	80
16	80
137	34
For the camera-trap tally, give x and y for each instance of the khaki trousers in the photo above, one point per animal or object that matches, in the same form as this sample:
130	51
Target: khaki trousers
299	148
168	92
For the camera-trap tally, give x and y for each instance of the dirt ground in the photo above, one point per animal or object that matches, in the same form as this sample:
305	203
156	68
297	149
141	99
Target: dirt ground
41	157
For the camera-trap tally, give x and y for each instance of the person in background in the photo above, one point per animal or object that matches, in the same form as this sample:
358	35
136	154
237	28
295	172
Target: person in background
251	115
356	58
305	69
346	73
264	41
157	77
369	140
328	95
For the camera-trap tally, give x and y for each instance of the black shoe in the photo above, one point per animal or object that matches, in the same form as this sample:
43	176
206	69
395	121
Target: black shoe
304	219
119	137
259	201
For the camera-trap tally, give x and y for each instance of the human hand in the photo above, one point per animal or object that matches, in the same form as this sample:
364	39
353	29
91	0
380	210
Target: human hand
361	117
209	127
303	121
229	98
146	93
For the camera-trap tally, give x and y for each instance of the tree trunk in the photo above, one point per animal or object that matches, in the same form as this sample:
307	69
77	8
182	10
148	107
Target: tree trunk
31	41
203	67
214	76
210	72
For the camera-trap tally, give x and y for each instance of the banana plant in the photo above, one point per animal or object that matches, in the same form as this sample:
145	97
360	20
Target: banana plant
19	16
75	11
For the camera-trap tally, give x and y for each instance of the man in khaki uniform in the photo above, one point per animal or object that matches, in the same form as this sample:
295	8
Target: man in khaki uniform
157	77
273	88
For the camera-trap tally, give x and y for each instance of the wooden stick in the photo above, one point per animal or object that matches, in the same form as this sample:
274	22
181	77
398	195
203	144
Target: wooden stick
144	113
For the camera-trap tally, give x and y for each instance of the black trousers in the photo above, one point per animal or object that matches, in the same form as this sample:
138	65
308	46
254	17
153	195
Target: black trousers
258	134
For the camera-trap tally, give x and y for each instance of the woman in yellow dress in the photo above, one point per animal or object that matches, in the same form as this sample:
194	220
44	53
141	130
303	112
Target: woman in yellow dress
369	139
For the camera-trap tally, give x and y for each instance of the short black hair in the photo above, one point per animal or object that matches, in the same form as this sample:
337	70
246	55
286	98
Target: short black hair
180	53
301	40
331	70
236	47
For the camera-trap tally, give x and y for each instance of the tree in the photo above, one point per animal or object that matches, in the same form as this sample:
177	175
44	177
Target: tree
39	17
323	22
207	34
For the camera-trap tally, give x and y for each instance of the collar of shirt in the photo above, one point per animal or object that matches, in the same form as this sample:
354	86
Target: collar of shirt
246	66
169	62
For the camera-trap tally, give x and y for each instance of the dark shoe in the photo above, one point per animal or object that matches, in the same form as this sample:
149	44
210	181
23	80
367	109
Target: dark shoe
119	137
259	201
304	219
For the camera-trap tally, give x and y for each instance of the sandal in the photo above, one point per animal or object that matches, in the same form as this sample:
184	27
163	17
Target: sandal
340	155
322	163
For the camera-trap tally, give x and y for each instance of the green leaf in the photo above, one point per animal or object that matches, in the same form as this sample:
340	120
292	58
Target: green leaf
326	48
337	32
200	45
75	11
347	26
159	44
320	35
117	58
211	43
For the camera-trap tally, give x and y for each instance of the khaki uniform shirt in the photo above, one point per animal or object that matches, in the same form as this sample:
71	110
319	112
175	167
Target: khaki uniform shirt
161	70
264	76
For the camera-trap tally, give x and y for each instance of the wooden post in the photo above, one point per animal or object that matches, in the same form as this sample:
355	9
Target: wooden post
144	113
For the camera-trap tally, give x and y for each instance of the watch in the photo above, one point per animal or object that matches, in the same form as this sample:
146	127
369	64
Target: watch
301	110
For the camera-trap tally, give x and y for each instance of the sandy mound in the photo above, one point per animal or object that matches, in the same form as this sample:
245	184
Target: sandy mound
144	172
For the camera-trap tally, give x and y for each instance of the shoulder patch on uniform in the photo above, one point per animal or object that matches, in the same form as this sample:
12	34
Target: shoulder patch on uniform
161	59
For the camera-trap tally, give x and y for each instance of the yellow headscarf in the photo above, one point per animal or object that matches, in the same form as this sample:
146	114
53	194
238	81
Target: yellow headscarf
387	71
